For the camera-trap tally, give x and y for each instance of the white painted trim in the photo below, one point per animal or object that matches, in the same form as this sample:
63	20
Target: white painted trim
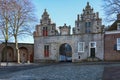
118	47
83	46
112	32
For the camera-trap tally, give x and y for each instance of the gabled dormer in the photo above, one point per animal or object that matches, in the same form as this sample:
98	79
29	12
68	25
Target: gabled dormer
116	25
88	22
46	27
87	12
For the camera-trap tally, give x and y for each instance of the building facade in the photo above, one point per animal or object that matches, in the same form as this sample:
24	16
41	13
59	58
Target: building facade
112	41
86	42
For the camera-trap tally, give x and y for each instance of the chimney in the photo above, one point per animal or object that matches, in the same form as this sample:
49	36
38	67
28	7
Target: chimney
118	16
78	18
97	15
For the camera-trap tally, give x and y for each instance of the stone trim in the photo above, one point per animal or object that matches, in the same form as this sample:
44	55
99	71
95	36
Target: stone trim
112	32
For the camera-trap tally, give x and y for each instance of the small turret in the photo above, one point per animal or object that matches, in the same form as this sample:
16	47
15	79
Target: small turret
88	6
88	22
78	17
45	13
97	15
65	30
45	18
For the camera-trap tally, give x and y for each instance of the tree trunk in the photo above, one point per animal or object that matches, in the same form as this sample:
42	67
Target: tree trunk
6	43
17	50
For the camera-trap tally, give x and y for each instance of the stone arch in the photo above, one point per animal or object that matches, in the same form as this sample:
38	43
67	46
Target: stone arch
65	52
9	56
23	54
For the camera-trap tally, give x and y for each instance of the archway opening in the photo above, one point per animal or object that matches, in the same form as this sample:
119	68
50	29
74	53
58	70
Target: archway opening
23	54
65	52
9	55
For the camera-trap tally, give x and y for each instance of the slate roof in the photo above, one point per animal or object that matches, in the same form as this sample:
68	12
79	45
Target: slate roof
113	26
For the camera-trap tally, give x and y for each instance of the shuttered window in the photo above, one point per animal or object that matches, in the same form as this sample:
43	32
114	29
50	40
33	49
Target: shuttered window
45	31
46	51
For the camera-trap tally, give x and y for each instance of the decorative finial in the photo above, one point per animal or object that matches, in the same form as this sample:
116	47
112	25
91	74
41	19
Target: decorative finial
78	18
64	24
87	3
45	10
88	6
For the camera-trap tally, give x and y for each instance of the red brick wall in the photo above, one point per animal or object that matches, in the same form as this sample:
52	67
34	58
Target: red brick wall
22	46
110	54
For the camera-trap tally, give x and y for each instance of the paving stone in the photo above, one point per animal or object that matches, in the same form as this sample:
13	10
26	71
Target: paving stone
67	71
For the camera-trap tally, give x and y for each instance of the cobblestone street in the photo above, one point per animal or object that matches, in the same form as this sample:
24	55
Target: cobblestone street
61	71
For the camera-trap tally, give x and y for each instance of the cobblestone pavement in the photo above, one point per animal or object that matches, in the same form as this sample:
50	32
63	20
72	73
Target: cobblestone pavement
62	71
111	73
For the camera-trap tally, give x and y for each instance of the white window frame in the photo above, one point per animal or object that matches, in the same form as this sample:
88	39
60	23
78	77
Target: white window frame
118	26
93	43
92	47
118	44
83	46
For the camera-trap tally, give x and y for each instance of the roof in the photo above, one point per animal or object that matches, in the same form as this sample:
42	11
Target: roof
113	26
19	43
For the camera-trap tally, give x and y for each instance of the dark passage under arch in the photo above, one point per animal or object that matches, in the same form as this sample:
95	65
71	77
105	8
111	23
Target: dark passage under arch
65	52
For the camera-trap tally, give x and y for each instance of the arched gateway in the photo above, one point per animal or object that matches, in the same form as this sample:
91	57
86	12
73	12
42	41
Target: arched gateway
65	52
7	54
23	54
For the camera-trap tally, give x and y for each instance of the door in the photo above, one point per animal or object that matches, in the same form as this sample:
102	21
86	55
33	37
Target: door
92	48
92	52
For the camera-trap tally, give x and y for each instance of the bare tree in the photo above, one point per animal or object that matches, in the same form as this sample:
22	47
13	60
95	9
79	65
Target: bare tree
21	17
21	14
4	21
111	8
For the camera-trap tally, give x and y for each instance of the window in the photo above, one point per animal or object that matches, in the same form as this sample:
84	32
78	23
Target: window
45	31
115	46
118	43
46	51
87	26
81	47
88	30
93	44
87	12
118	26
53	28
